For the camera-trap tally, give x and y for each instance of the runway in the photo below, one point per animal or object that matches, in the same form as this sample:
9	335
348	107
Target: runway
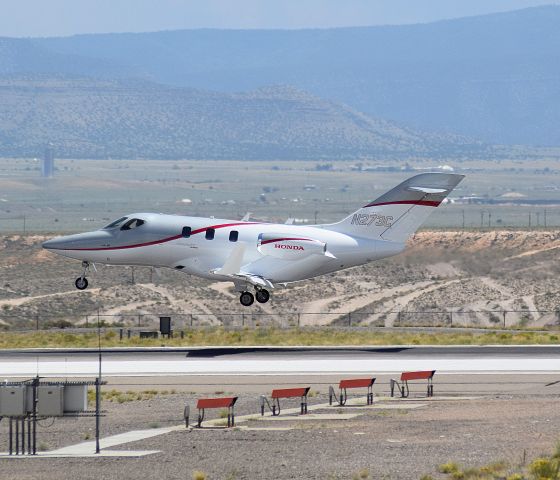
278	361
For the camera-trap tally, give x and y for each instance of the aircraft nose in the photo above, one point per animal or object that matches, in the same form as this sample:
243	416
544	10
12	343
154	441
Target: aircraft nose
78	241
54	243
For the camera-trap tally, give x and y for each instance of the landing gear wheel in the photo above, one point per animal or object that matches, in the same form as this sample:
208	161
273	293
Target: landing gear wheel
246	299
262	295
81	283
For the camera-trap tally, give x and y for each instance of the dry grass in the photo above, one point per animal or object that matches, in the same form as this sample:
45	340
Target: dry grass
272	336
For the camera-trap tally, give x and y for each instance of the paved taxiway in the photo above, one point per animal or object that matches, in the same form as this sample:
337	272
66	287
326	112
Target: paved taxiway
275	361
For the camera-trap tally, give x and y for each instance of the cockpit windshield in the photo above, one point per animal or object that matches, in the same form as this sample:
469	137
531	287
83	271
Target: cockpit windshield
116	223
133	223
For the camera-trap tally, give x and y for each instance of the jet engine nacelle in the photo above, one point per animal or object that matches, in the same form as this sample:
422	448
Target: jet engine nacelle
289	247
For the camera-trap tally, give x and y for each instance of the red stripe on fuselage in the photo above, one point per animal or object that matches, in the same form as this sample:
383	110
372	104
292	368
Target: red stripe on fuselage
162	240
424	203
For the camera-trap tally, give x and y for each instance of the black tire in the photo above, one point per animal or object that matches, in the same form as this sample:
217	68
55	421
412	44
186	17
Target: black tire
246	299
262	295
81	283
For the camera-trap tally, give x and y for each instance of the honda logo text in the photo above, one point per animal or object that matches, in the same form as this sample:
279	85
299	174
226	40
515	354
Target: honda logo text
289	247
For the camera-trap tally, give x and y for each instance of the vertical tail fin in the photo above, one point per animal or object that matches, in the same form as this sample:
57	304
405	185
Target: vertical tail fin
397	214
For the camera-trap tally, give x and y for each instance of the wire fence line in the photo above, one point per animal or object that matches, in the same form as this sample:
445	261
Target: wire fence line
401	318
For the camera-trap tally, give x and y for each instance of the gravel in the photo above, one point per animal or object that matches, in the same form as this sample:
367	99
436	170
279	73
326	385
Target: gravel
388	444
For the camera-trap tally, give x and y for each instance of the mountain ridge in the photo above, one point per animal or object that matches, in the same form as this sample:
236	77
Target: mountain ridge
100	118
493	77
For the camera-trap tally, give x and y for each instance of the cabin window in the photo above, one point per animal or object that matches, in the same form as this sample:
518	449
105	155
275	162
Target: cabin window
116	223
233	236
134	223
210	233
186	232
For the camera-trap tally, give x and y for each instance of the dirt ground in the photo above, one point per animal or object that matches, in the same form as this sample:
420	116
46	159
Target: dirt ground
510	422
476	275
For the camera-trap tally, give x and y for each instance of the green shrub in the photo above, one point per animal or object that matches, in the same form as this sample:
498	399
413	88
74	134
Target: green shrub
361	475
449	467
544	468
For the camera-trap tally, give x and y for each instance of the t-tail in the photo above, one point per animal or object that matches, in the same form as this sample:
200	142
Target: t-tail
397	214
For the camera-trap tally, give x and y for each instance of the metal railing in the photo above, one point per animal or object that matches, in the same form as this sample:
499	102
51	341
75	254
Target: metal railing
401	318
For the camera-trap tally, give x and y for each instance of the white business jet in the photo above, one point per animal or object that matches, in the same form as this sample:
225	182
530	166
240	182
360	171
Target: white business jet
261	256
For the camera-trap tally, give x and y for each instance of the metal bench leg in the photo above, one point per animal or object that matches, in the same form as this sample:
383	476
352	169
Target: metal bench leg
370	396
393	382
186	415
200	417
403	394
303	405
343	397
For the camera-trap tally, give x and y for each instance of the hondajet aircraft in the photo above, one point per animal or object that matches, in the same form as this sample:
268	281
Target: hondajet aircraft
260	256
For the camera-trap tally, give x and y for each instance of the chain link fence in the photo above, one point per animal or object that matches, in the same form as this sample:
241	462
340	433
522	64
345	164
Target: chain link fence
182	321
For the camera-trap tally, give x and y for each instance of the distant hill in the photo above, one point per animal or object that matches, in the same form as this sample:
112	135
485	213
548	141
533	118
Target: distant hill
494	77
100	118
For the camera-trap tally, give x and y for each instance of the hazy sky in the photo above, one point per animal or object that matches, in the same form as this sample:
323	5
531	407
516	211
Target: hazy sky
20	18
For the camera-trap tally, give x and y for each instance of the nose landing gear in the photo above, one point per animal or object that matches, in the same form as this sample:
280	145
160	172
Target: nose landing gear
81	282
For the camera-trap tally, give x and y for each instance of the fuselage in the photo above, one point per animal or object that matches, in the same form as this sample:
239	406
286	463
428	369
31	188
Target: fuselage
200	246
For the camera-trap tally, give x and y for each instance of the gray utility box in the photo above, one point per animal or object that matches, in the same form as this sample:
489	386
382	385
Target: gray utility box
50	400
13	401
75	398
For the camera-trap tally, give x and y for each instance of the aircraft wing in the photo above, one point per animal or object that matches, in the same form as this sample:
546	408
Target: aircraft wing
232	269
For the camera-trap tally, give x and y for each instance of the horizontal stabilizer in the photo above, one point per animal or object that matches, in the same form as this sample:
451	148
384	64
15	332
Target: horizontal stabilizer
427	190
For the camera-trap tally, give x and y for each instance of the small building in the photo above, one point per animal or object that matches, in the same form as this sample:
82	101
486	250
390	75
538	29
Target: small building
47	167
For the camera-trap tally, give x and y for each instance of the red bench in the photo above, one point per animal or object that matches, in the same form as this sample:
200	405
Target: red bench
352	383
224	402
277	394
407	376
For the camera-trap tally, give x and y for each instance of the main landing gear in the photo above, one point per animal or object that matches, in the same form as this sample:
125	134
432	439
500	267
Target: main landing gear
81	282
262	295
247	298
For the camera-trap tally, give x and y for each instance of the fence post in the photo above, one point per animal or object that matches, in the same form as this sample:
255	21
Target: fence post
349	319
191	319
299	319
87	321
37	322
451	318
504	315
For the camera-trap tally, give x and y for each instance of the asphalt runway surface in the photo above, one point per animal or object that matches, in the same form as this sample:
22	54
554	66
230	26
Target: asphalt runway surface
279	361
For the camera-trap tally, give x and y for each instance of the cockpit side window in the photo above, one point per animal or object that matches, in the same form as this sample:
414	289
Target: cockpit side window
116	223
133	223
